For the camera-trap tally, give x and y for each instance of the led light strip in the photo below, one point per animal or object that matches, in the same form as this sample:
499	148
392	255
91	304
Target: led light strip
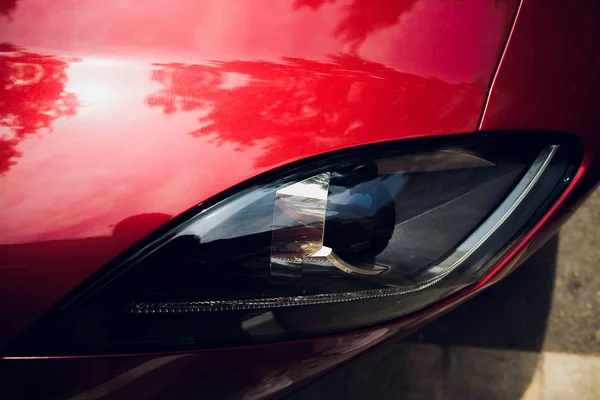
436	273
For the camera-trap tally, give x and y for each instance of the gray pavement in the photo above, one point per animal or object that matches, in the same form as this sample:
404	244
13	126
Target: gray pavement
535	335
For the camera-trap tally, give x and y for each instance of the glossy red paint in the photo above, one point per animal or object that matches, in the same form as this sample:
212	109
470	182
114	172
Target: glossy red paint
116	118
548	80
122	140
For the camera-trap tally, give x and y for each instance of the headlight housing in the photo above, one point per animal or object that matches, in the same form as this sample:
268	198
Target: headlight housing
339	242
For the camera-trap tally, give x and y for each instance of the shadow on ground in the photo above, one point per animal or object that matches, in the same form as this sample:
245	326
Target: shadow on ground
438	361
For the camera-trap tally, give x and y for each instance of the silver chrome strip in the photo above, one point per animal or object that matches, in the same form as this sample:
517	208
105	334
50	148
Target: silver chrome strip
438	272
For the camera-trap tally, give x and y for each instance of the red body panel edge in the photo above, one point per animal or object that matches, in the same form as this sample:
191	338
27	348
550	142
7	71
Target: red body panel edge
149	111
118	118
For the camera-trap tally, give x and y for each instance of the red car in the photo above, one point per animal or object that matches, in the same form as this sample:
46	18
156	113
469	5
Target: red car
222	199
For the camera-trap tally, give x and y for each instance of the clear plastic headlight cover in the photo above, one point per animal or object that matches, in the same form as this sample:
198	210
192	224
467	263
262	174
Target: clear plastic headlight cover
341	242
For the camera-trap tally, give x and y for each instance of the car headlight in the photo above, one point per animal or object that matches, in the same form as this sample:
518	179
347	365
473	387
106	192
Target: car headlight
343	241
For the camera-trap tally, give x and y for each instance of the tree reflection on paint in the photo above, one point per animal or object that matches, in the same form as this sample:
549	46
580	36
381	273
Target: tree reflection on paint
32	97
7	7
298	103
363	17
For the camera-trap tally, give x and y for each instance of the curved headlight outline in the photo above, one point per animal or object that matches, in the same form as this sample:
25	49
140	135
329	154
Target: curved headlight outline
558	156
437	272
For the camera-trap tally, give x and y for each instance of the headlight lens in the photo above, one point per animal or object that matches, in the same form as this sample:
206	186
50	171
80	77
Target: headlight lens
343	242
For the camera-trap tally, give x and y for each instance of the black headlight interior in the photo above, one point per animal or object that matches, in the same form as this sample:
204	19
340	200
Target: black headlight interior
338	242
